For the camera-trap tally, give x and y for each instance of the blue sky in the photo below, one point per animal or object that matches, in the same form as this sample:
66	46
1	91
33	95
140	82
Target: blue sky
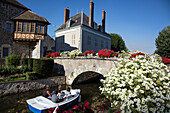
138	22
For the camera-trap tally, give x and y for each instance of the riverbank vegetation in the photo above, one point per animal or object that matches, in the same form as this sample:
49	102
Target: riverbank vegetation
17	69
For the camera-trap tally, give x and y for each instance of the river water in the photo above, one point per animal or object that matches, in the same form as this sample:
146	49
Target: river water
16	103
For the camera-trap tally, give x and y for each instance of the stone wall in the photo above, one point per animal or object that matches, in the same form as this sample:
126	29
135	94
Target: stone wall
7	11
23	86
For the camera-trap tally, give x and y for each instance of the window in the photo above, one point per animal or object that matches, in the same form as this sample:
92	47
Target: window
28	27
96	42
8	27
5	52
19	27
32	27
37	29
73	39
41	29
5	5
24	27
89	40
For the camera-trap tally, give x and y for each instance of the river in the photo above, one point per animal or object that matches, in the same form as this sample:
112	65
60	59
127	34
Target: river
16	103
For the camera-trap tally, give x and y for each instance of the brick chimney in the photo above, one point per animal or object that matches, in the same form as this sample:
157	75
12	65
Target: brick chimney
103	20
66	14
91	14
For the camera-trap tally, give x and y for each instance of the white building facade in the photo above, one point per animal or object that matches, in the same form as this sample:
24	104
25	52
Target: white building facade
80	32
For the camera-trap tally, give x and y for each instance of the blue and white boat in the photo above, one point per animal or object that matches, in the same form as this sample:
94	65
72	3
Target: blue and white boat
41	104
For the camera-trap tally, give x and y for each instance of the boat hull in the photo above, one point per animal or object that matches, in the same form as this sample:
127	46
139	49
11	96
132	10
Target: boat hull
69	102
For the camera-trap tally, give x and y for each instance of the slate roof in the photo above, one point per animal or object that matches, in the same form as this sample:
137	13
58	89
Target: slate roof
16	3
76	20
31	16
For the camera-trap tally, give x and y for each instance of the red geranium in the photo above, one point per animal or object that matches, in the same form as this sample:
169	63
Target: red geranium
106	53
89	52
56	54
136	54
166	60
47	54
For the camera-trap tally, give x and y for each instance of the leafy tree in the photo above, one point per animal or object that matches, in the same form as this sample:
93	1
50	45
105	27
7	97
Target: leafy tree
117	43
163	43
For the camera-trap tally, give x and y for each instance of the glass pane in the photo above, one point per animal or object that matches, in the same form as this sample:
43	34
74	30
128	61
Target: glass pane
5	52
28	27
8	27
37	29
24	27
19	27
32	27
41	29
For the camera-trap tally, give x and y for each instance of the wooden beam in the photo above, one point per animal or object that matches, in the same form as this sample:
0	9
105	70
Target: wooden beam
16	26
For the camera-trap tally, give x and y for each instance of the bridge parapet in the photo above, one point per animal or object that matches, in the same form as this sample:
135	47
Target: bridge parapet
74	67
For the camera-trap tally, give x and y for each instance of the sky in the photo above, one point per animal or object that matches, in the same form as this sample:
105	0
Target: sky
138	22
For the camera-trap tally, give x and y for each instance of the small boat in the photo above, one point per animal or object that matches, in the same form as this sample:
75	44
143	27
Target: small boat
41	104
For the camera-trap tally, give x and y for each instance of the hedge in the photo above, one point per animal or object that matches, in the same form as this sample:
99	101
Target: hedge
25	61
12	60
37	66
43	66
32	76
28	62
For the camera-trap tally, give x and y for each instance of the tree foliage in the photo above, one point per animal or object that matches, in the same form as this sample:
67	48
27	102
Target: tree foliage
117	43
163	43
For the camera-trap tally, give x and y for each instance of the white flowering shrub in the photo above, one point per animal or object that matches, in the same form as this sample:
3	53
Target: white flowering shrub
156	57
65	53
137	85
75	53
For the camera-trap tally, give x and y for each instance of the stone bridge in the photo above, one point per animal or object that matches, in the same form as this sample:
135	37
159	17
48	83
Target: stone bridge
86	68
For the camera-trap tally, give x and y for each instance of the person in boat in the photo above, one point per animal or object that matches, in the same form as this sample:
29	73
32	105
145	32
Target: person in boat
54	97
68	92
46	92
59	89
61	96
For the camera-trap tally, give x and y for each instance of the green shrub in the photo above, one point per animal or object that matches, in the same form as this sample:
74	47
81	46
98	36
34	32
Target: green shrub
7	61
30	64
47	65
9	70
32	75
37	66
25	69
43	66
25	61
13	60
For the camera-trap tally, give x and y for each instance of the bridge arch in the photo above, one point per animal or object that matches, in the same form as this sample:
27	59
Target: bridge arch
87	76
74	67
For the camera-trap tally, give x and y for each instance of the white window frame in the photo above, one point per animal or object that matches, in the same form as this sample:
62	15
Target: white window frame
5	46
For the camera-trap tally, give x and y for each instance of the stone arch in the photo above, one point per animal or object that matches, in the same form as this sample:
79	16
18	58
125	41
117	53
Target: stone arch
87	76
74	67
